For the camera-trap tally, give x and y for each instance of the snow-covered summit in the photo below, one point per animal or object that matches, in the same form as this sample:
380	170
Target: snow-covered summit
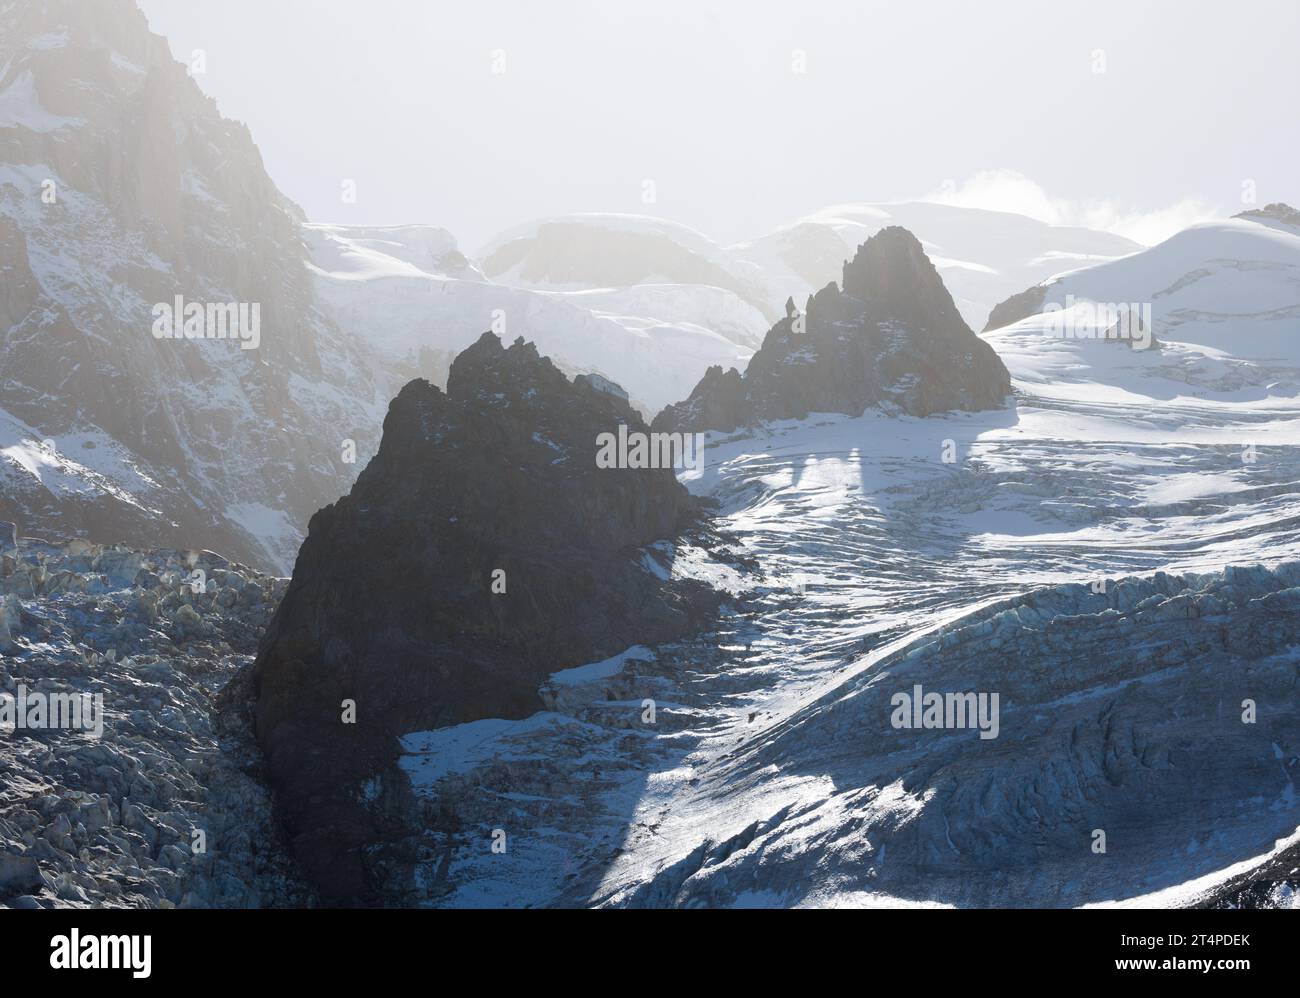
1224	303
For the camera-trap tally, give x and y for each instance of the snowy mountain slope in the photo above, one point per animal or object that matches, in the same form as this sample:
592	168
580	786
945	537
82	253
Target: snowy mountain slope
595	250
690	307
83	482
358	252
121	187
1225	307
416	312
983	256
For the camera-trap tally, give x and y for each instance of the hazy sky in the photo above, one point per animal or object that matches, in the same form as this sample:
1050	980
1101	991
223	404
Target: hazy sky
1136	116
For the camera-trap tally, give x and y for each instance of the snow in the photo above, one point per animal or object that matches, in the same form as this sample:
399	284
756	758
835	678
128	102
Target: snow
350	253
273	528
20	107
593	671
1110	463
1225	303
431	756
689	238
823	497
47	41
370	285
102	469
699	310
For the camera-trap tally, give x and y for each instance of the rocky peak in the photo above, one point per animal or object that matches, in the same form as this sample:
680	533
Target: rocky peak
518	373
891	272
481	549
891	337
718	402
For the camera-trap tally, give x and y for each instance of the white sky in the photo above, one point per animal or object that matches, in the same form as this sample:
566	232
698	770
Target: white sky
994	104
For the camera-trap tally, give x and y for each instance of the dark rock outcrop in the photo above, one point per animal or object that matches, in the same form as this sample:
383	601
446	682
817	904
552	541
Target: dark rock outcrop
1275	883
719	402
1019	306
891	336
1278	211
392	603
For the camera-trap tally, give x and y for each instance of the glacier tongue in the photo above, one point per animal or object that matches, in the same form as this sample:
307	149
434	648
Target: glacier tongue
772	774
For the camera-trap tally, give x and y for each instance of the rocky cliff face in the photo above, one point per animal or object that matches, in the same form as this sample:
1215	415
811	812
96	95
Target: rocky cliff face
1019	306
481	550
890	335
121	187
